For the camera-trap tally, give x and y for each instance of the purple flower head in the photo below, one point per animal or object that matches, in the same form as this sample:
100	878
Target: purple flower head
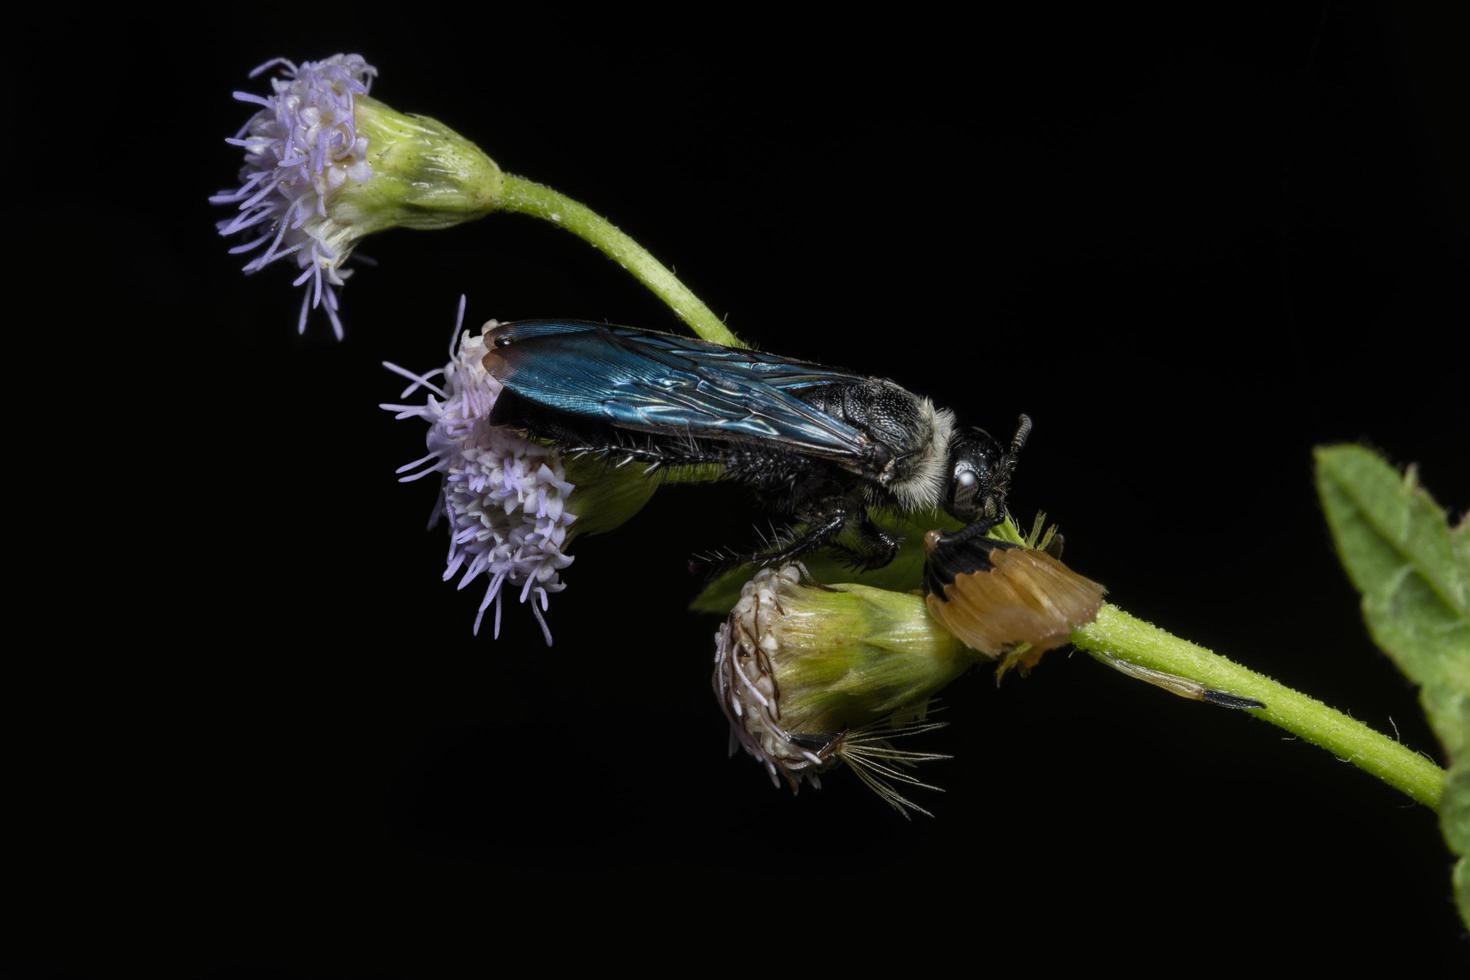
300	148
505	497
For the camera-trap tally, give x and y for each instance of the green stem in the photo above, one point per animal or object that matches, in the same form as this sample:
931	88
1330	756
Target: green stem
539	201
1117	634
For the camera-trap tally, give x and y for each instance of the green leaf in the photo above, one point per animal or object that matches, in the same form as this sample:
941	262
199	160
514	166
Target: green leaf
1454	820
1414	574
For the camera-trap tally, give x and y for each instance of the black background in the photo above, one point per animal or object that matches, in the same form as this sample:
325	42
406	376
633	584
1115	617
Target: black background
255	736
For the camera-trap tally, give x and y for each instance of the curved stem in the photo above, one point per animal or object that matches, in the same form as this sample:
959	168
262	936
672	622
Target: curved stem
1116	633
539	201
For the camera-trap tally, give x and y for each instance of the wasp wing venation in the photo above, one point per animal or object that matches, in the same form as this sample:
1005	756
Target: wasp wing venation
664	384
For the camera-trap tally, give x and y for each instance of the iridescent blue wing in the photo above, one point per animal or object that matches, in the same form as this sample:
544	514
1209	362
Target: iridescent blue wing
666	384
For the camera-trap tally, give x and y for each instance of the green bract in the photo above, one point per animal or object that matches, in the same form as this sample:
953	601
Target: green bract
425	175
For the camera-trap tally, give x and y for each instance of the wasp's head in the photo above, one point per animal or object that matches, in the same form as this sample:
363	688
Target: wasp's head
980	472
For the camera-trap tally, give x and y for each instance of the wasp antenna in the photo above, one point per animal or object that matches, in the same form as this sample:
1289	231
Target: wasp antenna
1018	442
1023	431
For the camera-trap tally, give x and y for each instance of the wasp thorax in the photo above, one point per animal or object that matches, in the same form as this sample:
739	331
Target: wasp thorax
810	676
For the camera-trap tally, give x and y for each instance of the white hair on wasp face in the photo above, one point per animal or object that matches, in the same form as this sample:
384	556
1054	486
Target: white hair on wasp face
923	488
505	496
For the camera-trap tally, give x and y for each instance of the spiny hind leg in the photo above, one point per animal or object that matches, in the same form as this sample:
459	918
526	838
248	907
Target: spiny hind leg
868	547
821	522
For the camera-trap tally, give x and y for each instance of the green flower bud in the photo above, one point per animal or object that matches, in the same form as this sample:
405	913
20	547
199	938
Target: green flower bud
424	175
810	676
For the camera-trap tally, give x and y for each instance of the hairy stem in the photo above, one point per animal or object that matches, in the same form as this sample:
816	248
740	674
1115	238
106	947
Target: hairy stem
539	201
1116	633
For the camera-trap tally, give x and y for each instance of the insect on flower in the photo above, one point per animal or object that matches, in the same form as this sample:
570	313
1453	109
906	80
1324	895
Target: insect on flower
513	504
504	497
823	444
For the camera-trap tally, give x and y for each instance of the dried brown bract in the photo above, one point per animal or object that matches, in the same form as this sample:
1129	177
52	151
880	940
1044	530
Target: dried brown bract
1005	600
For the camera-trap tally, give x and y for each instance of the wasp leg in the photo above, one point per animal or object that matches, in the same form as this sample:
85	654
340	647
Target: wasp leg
823	523
872	548
759	468
620	456
812	536
975	529
1182	686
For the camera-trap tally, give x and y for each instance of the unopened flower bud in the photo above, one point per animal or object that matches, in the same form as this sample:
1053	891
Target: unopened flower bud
810	676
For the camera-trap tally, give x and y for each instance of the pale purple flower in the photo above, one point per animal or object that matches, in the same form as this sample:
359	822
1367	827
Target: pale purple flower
505	497
300	147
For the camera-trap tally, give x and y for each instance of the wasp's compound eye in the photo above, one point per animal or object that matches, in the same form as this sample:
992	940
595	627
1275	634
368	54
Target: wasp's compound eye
966	483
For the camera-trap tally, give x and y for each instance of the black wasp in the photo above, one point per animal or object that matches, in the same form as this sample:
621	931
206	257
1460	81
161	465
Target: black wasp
820	443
